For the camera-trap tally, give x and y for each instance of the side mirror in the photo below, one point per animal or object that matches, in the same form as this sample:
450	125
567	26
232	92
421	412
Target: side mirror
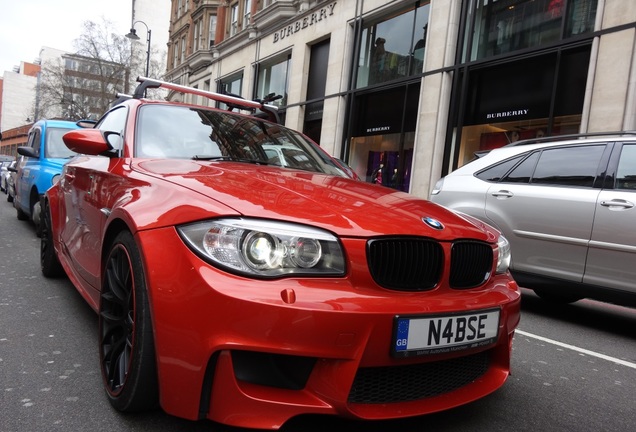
88	142
27	151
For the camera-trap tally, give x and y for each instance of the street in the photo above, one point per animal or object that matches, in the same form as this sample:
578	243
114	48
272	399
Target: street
573	367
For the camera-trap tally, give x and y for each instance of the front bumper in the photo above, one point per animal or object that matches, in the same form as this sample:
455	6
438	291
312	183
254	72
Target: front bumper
254	353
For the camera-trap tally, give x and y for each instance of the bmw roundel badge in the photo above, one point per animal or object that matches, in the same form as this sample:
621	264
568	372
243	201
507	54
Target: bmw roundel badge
433	223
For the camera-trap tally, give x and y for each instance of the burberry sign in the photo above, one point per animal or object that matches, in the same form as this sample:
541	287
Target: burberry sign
311	19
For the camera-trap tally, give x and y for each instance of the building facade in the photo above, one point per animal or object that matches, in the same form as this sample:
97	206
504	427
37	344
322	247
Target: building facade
405	91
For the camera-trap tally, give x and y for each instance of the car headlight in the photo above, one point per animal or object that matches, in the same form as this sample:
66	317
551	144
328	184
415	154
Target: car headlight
265	248
503	258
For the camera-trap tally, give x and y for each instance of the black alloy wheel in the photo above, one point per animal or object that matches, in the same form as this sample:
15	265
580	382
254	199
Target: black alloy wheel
126	340
49	263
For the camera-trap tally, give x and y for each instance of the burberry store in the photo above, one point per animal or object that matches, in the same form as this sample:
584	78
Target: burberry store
407	91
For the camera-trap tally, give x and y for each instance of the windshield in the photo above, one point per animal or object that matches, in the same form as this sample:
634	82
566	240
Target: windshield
166	131
55	147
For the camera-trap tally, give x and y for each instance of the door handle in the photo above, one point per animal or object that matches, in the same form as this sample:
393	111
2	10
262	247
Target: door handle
617	203
502	194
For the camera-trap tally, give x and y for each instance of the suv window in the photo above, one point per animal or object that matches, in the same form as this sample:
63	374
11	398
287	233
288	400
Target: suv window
626	172
523	172
570	166
494	173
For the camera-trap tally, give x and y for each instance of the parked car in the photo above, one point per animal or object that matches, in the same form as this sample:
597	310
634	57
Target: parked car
567	208
11	183
40	166
4	173
8	181
233	288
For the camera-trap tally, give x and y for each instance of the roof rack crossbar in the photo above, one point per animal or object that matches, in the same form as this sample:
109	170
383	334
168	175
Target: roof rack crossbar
227	99
234	102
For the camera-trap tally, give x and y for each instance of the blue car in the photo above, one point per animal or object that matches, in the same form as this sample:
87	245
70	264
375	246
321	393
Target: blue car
40	166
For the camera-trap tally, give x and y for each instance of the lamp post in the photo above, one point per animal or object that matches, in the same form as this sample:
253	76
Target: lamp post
133	36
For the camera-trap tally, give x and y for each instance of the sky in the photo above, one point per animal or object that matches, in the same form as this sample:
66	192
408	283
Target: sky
28	25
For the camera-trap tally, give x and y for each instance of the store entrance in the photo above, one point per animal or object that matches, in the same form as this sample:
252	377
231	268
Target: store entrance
381	148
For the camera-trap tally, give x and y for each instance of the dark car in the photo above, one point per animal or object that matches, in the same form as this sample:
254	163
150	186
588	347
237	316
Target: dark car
235	286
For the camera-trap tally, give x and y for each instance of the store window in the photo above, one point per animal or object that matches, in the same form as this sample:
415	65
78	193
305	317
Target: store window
522	100
316	83
504	26
273	77
393	48
381	150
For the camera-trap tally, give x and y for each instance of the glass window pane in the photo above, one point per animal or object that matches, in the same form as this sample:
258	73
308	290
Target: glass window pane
523	172
626	173
581	16
496	172
502	27
572	166
393	48
273	78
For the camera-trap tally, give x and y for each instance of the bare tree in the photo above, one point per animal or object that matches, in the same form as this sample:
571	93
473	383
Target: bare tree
84	84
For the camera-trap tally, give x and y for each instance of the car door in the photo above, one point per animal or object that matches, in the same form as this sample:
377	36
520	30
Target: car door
545	207
24	177
612	254
85	185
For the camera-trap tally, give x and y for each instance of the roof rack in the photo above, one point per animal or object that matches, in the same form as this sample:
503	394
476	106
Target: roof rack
232	101
570	136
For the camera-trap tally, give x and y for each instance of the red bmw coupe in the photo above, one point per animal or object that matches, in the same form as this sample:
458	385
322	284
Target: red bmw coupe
234	287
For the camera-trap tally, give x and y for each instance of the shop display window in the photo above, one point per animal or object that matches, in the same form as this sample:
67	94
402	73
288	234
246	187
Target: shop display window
504	26
394	48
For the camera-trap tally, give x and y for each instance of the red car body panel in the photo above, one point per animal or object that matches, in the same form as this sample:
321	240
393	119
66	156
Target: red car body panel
200	313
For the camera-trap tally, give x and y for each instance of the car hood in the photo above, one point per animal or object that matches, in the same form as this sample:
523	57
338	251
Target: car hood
341	205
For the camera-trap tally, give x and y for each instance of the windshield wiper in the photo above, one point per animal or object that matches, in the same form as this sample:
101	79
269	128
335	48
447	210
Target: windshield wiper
209	157
232	159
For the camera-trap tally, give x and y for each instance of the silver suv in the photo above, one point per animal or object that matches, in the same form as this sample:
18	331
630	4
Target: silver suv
567	208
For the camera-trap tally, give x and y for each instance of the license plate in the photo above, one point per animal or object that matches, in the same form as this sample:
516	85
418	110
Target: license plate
444	333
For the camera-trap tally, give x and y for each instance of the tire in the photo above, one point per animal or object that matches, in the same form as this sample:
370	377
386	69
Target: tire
126	342
556	298
9	197
20	214
49	263
36	217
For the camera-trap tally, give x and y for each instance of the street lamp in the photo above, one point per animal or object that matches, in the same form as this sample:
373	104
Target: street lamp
133	36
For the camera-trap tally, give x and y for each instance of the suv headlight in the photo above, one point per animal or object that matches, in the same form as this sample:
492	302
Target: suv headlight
265	248
503	257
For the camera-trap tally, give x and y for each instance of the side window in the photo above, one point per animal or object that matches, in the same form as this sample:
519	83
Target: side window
494	173
569	166
523	172
114	121
35	141
626	172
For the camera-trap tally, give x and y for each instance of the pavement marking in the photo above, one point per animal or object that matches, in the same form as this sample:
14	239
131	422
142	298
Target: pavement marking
577	349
